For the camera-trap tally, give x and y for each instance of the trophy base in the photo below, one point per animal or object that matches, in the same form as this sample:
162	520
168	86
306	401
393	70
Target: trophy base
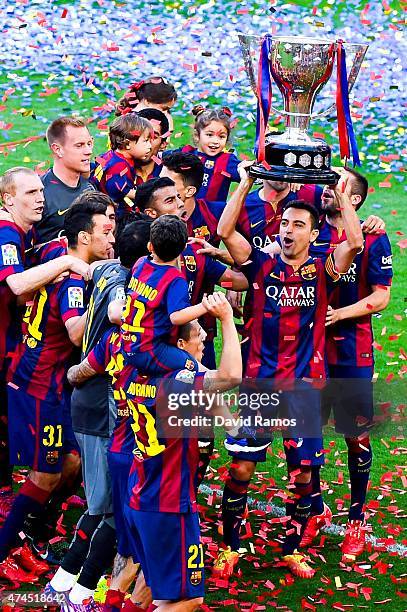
294	175
296	162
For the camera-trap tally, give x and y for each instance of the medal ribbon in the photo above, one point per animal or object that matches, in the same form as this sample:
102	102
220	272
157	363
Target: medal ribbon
263	97
345	126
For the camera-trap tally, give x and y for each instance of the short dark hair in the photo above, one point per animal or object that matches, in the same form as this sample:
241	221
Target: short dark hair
184	331
156	90
153	114
133	239
360	185
145	192
56	131
188	165
303	205
127	128
168	236
79	217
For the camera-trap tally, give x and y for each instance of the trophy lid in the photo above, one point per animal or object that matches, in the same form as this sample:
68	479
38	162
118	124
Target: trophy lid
303	40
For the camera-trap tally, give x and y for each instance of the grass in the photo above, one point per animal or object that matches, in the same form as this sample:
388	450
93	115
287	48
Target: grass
29	108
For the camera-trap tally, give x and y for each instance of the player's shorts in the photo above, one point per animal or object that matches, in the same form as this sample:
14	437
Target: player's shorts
162	359
296	414
96	474
119	467
168	547
349	394
40	432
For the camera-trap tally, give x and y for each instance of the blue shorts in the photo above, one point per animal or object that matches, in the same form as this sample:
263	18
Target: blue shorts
302	405
349	395
119	468
162	359
40	432
170	553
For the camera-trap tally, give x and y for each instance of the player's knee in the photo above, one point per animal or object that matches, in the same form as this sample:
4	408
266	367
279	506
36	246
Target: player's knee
300	475
243	470
45	481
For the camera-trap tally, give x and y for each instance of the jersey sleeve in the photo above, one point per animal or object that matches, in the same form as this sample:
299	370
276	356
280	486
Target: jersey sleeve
177	296
251	267
214	270
232	168
11	252
117	293
380	263
118	180
71	296
99	356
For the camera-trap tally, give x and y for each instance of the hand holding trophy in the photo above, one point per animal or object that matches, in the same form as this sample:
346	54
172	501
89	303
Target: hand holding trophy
300	67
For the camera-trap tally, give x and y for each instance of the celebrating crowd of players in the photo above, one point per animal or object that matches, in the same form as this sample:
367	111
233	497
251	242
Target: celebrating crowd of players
90	351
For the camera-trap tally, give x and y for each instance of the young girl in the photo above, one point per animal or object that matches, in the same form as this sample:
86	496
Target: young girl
155	92
116	170
211	133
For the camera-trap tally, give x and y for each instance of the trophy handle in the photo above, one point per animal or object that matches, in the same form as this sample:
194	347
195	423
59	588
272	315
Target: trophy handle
250	44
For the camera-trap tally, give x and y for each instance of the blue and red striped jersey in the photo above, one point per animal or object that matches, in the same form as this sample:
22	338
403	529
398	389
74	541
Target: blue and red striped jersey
140	178
219	172
41	360
154	292
116	176
259	223
51	250
16	250
105	356
350	341
166	466
202	273
203	223
287	322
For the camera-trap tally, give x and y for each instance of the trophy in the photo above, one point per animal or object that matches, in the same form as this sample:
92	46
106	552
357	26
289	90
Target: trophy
300	67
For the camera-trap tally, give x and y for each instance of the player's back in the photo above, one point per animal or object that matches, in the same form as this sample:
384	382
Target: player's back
154	292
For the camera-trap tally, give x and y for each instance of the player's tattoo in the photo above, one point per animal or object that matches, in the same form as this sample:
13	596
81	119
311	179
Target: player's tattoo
81	372
118	565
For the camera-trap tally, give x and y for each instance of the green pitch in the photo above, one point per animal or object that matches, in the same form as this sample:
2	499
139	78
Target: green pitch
261	586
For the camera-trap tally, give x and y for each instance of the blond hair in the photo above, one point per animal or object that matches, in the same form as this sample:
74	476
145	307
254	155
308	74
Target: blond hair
8	181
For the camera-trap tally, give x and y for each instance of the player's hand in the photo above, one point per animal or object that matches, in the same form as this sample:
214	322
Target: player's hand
342	190
243	168
207	248
217	305
332	316
373	225
61	277
294	187
78	266
70	375
235	299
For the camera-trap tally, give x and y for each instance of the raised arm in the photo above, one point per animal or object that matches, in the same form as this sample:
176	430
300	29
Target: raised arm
346	251
229	373
236	244
35	278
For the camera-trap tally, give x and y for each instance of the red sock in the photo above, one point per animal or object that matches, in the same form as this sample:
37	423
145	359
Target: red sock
114	599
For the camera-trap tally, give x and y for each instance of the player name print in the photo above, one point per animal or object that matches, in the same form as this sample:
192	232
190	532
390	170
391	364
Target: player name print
291	295
142	289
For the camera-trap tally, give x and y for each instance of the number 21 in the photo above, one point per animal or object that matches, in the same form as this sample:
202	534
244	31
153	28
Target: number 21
194	551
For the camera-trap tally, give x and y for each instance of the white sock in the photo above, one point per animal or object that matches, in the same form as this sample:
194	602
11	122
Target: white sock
79	593
63	581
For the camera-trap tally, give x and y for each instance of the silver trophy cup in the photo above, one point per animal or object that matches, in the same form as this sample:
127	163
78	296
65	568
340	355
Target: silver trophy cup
300	67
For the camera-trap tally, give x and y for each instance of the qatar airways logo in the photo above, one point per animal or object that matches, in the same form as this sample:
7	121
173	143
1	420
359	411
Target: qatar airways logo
350	275
293	295
261	242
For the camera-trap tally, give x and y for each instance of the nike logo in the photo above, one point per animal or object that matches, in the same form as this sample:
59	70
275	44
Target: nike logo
252	225
230	500
62	212
321	243
318	454
274	276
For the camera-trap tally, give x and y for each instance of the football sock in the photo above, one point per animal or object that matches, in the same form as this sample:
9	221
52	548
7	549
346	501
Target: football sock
63	581
299	511
317	502
29	499
100	557
233	506
359	464
79	548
